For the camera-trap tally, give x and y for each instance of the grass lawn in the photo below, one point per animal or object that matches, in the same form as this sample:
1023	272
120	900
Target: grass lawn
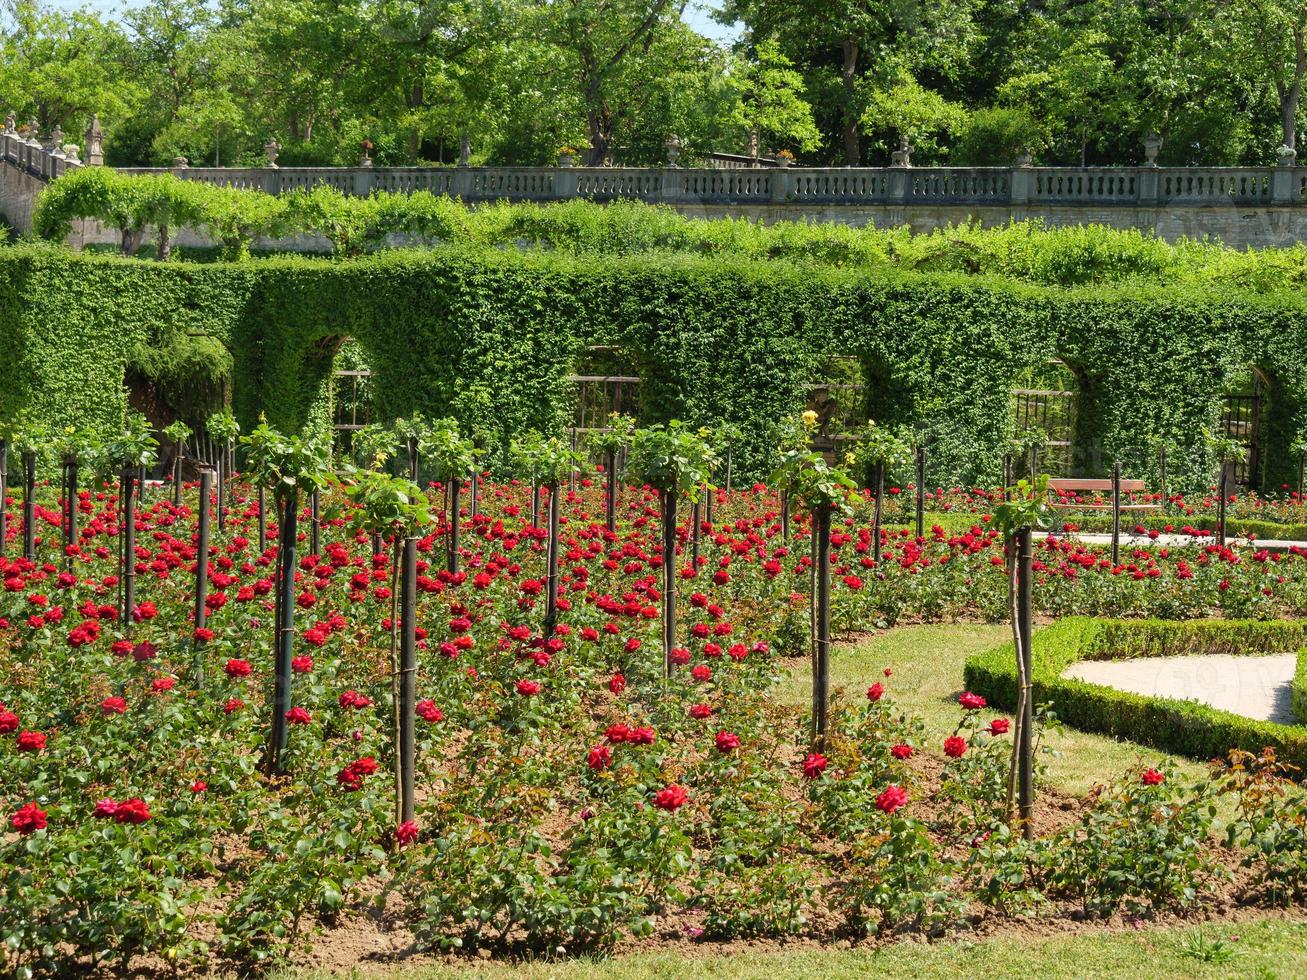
1271	947
927	664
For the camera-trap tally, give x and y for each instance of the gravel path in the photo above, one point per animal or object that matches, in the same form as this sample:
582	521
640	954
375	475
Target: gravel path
1252	686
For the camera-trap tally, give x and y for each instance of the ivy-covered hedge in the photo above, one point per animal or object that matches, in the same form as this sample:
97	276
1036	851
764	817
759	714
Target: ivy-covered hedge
490	335
1183	727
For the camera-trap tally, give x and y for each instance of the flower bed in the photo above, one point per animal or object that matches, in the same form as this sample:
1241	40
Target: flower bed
568	796
1184	727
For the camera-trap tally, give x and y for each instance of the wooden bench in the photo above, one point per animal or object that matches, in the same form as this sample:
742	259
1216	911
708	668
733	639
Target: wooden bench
1057	487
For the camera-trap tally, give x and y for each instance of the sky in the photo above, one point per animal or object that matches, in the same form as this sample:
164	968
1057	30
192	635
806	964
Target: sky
698	14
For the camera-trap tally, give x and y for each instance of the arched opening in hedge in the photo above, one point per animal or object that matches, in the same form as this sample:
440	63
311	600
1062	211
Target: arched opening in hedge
1246	408
838	394
1046	399
351	391
187	378
606	379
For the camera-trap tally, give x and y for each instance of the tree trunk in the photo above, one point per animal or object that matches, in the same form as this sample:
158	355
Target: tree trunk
849	80
165	244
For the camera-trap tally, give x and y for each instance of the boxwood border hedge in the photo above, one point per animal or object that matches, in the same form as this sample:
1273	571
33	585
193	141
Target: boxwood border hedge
1183	727
490	334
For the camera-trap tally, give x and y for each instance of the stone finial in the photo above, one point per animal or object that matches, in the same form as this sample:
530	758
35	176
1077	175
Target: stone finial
1023	160
71	154
180	163
10	128
673	149
1286	156
464	151
902	157
33	128
366	147
94	143
1152	144
272	148
56	138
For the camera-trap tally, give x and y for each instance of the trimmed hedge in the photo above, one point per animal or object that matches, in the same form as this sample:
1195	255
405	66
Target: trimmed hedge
1184	727
1300	688
489	335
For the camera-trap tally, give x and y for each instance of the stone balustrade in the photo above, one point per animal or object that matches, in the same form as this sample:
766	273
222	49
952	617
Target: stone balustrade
853	186
1242	206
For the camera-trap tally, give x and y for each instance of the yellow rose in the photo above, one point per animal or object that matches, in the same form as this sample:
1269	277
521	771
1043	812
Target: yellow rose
810	419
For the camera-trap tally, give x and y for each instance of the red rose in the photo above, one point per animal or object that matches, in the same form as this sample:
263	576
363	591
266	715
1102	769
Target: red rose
232	706
670	798
972	702
528	688
133	811
113	706
199	786
954	746
999	726
892	799
700	711
1152	777
901	751
28	819
427	711
302	665
876	691
161	684
641	736
406	833
144	651
617	684
8	722
701	672
31	741
105	809
238	668
814	765
727	742
601	757
298	716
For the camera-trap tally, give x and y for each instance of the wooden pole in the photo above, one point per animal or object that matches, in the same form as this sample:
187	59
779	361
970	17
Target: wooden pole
222	489
571	480
921	491
876	514
696	518
29	506
281	688
315	522
263	520
669	579
1025	632
1223	489
455	492
821	620
1161	470
129	546
785	516
551	562
70	528
1116	514
610	491
202	551
406	708
4	493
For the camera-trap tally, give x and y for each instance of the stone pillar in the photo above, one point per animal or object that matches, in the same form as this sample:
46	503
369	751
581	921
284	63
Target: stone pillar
94	144
1283	179
1021	181
1148	185
782	184
361	181
462	185
565	183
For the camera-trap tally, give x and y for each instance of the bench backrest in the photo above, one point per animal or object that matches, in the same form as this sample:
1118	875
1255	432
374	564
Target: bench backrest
1105	486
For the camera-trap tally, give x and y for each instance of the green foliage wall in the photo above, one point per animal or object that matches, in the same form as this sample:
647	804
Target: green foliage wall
490	335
